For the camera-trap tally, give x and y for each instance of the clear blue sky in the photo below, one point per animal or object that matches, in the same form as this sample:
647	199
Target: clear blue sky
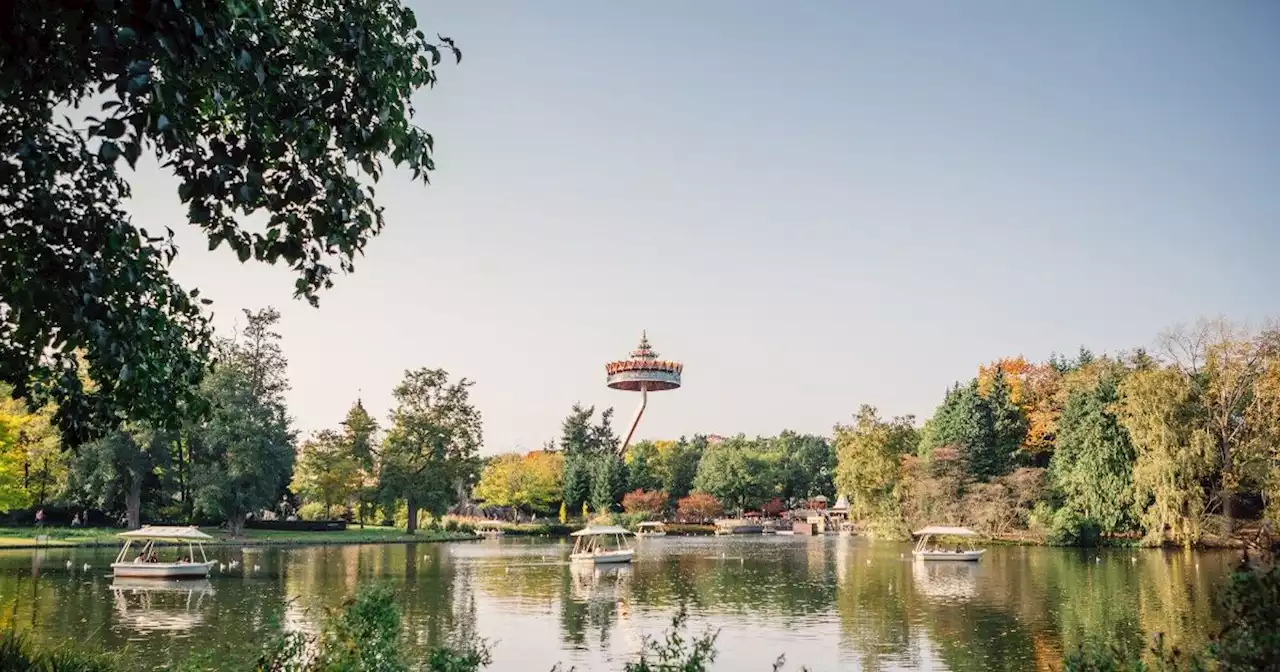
813	205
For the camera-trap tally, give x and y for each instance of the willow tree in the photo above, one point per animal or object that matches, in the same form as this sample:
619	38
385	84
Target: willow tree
1225	366
264	111
1174	455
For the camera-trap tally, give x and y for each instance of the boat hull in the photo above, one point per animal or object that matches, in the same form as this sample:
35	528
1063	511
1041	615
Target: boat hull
607	558
162	570
963	556
651	534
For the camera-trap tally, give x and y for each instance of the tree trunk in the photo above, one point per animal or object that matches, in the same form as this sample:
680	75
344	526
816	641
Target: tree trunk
412	526
1227	495
235	524
133	504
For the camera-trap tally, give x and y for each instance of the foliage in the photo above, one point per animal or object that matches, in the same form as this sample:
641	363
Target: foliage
646	502
868	458
678	464
113	470
642	460
430	451
18	654
1173	458
313	511
608	481
808	464
1092	466
698	507
675	652
246	441
531	482
1004	504
564	514
32	464
258	108
1250	637
326	470
962	421
932	490
1008	429
593	470
1224	364
740	472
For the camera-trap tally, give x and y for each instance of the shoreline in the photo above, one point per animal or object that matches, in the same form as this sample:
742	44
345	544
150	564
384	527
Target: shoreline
271	538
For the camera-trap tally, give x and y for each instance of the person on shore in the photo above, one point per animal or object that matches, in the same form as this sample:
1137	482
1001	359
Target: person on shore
75	520
40	518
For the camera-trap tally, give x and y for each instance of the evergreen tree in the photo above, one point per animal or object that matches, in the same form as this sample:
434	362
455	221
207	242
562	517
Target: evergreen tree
1008	430
608	482
577	479
1092	468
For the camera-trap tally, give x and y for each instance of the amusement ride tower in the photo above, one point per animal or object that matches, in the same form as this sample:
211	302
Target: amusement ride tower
642	373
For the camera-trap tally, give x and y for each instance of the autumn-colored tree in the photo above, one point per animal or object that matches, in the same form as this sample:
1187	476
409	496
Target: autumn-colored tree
1016	371
773	508
698	507
1174	457
1223	363
647	502
33	466
532	482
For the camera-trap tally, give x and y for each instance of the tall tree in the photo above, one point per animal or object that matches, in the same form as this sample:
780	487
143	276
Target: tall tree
115	469
38	463
1223	364
257	108
1092	468
1174	456
431	449
964	420
643	466
869	454
1008	429
678	465
608	482
326	471
738	473
809	462
247	444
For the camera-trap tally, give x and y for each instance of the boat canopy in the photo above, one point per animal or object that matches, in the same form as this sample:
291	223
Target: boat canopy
943	530
166	533
599	530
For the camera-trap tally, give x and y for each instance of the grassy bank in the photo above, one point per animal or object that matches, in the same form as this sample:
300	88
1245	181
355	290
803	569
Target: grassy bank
28	537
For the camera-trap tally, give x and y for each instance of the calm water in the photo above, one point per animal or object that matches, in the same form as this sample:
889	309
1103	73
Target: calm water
826	602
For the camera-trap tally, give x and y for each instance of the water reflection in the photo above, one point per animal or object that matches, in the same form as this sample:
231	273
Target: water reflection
827	602
144	605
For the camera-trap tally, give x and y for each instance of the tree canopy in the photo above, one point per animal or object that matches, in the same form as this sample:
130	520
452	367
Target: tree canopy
255	107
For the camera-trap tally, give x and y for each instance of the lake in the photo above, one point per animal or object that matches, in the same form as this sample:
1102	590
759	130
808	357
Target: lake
826	602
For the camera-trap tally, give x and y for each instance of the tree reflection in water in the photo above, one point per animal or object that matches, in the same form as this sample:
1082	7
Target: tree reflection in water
824	601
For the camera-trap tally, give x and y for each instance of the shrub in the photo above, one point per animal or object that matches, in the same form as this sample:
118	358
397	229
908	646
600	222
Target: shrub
17	654
674	651
312	511
646	502
698	507
1069	528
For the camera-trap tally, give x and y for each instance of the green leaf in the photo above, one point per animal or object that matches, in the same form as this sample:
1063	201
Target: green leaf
113	128
109	151
162	123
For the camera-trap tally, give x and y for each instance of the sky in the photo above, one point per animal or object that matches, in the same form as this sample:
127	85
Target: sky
812	205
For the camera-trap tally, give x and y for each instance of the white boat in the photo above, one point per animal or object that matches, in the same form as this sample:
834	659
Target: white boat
601	545
651	529
923	551
145	564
